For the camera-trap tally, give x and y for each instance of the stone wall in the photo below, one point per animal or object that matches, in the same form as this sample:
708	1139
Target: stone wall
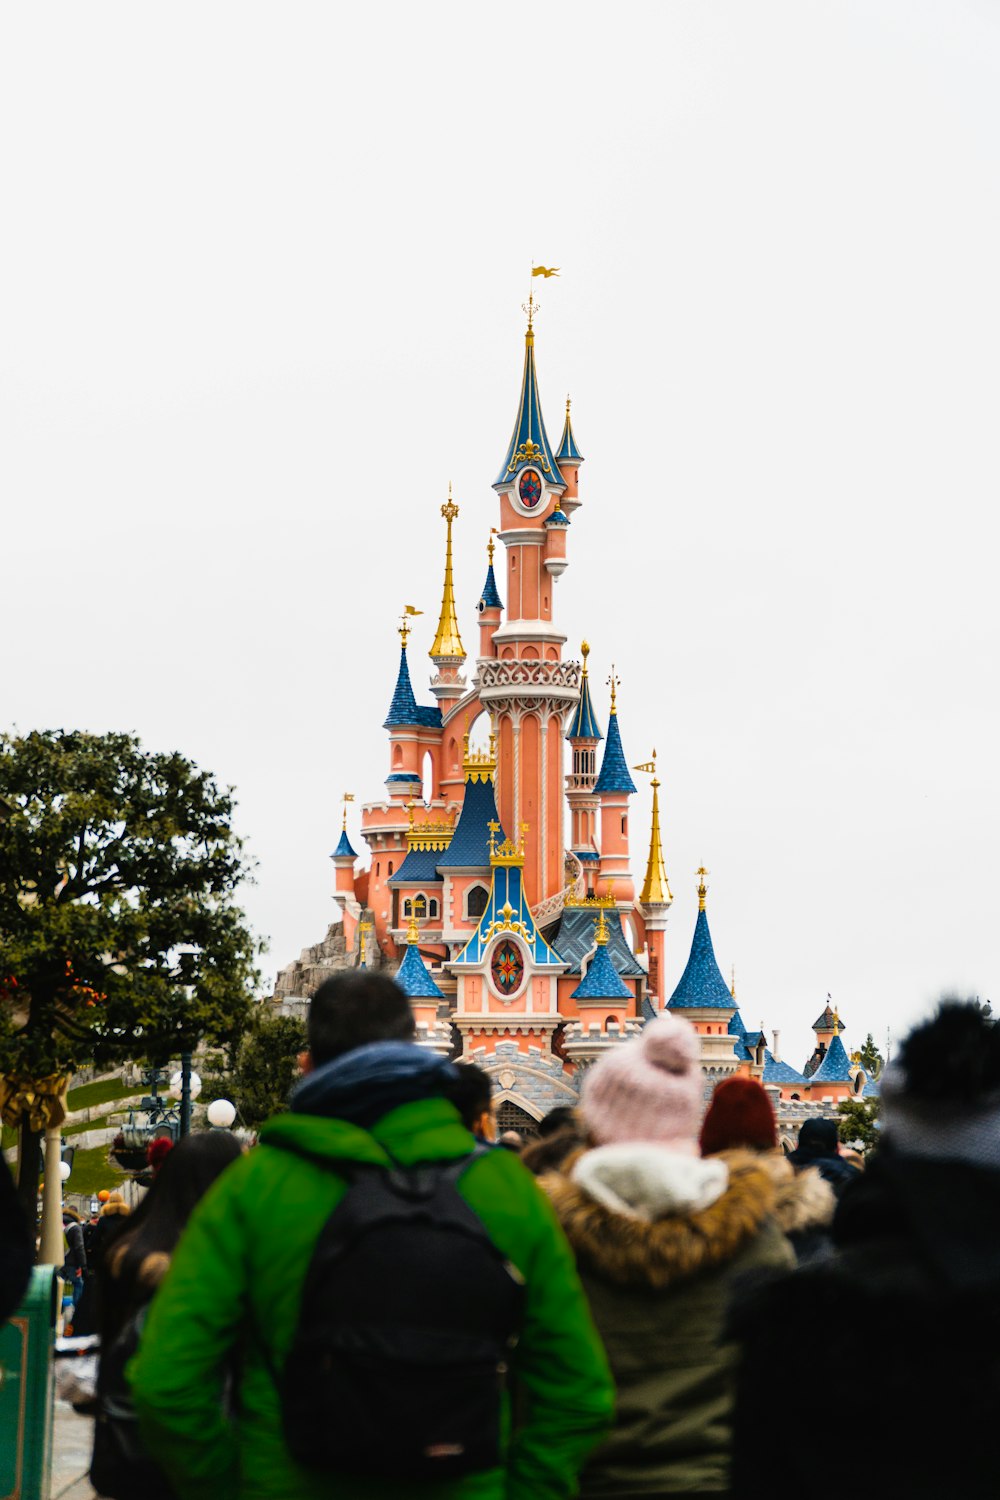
300	980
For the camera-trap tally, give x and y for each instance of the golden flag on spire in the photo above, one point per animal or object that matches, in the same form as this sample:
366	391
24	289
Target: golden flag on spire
545	271
409	610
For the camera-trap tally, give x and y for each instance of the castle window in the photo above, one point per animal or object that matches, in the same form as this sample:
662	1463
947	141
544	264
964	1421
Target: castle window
476	902
390	867
420	905
624	828
432	907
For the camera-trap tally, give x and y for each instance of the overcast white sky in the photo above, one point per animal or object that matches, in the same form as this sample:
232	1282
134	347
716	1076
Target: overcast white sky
261	270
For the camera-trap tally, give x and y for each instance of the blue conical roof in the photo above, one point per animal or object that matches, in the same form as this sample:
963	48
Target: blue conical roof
403	708
584	725
701	984
836	1065
529	443
614	775
602	980
490	597
413	978
568	453
343	849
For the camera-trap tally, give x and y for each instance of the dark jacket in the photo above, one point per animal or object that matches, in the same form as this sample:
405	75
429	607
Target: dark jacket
903	1325
17	1253
239	1271
659	1290
818	1148
803	1207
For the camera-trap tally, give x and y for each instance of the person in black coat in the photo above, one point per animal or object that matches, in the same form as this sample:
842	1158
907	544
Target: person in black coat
903	1324
819	1147
17	1253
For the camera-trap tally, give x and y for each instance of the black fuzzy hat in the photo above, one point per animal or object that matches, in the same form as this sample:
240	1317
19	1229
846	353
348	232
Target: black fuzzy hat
941	1097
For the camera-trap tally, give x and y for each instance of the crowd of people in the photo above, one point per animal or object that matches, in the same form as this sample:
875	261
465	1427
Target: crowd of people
382	1298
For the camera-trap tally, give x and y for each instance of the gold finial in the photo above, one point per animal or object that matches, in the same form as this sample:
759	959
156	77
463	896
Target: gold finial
614	683
701	872
656	887
448	641
491	545
836	1023
584	652
364	928
409	808
732	988
412	932
601	933
348	797
508	853
494	830
404	626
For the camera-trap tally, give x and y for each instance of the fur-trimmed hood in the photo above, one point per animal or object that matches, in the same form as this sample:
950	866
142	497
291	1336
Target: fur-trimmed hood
803	1200
634	1251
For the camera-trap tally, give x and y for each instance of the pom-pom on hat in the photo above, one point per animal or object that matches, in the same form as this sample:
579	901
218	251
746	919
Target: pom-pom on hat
740	1114
648	1089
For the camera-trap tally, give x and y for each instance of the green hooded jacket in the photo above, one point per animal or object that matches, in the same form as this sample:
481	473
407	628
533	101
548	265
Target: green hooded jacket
236	1281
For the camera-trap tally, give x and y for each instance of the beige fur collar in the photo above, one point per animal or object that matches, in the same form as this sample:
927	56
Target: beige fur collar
803	1200
631	1252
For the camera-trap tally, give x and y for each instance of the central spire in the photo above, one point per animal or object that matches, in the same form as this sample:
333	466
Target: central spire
529	444
448	641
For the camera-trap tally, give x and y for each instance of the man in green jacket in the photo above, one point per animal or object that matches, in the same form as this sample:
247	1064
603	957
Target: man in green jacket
232	1298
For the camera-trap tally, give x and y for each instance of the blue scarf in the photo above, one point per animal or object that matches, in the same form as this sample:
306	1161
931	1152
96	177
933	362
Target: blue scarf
362	1086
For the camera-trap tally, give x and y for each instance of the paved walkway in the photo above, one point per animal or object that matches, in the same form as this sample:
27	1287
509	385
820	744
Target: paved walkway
72	1436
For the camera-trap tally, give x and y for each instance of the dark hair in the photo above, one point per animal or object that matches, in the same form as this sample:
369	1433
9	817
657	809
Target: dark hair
954	1058
188	1171
563	1117
471	1092
350	1009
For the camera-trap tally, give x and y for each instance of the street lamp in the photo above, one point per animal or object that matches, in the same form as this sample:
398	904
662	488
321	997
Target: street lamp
221	1113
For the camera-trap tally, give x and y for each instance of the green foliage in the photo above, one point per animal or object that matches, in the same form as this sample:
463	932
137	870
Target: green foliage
93	1170
119	931
871	1058
264	1068
858	1121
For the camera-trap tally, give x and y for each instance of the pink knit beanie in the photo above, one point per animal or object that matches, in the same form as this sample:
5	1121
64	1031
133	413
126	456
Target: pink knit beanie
648	1089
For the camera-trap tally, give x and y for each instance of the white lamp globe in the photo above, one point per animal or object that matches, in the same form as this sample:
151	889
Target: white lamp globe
64	1170
222	1113
176	1085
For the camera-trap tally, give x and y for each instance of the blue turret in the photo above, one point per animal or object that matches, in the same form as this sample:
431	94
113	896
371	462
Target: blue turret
568	453
836	1065
602	980
584	725
403	708
614	775
343	849
412	976
702	986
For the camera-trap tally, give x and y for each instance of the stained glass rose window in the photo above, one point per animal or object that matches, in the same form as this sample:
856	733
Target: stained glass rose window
507	968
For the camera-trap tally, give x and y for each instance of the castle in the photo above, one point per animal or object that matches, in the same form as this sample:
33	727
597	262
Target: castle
522	949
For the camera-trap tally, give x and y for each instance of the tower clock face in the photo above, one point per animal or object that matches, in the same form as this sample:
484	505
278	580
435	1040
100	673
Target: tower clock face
507	968
529	489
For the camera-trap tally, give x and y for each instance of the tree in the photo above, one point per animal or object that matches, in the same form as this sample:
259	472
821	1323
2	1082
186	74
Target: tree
871	1058
858	1122
265	1066
120	935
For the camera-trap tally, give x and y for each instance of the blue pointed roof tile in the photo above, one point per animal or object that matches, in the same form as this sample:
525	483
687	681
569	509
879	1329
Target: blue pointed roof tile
403	708
529	444
490	597
701	984
568	453
780	1072
470	843
601	981
343	849
419	867
574	939
836	1065
614	776
584	725
413	978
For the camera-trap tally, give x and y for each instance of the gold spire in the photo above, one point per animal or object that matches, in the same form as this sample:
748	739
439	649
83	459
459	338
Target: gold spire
613	683
732	986
836	1023
364	928
656	887
601	933
412	933
348	797
701	872
491	544
448	642
404	623
584	652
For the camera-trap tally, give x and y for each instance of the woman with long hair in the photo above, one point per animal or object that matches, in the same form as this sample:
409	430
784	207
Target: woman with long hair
133	1268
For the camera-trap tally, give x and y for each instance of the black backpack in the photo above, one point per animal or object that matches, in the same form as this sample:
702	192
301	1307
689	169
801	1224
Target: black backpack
408	1321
